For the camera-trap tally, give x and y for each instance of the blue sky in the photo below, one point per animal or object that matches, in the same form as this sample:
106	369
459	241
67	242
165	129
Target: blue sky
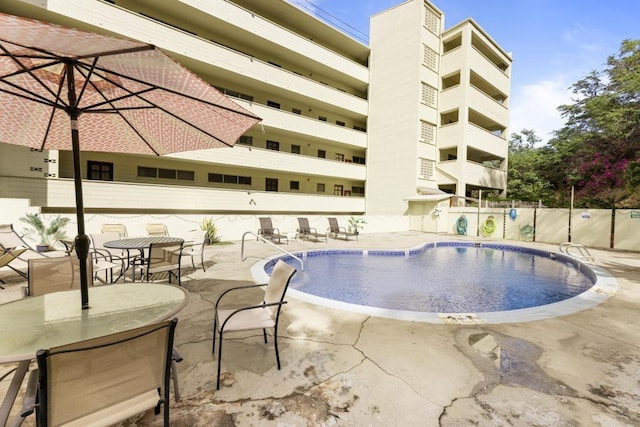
554	43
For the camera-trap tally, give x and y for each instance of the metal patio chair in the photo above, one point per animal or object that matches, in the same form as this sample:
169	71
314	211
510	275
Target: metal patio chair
256	315
102	381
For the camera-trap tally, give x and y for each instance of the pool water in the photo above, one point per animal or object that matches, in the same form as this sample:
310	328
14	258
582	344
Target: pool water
443	279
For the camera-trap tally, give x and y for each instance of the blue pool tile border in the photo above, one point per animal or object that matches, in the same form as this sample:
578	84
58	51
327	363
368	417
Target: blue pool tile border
604	285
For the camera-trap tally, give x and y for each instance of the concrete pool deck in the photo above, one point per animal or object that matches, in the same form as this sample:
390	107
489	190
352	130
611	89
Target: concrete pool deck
342	368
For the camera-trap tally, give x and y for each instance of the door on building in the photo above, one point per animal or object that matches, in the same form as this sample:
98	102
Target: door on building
271	184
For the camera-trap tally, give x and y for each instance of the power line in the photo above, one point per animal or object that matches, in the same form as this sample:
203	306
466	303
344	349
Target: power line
327	17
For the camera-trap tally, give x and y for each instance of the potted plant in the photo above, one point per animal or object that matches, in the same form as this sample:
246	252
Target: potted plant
45	235
355	224
211	232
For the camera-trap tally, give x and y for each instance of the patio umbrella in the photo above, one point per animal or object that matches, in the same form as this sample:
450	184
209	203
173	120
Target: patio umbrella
66	89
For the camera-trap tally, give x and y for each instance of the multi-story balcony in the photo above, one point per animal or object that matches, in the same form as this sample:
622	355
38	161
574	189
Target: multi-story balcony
472	173
305	127
103	196
258	158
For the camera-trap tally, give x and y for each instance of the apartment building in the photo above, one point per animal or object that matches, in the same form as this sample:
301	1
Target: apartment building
438	109
347	129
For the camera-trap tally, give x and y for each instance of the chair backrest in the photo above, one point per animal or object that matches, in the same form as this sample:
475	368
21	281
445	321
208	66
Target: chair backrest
115	376
56	274
333	225
10	239
98	241
198	237
115	228
266	225
163	254
278	283
157	229
303	223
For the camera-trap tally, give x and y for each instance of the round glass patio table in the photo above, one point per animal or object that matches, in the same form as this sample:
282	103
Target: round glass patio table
54	319
30	324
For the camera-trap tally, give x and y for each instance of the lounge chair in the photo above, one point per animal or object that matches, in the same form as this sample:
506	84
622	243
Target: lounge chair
305	231
9	239
268	231
9	256
337	231
104	380
257	315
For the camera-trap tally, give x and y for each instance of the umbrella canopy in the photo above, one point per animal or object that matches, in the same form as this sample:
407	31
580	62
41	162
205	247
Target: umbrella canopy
66	89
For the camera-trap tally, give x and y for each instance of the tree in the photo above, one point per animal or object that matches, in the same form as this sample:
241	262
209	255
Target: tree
598	149
525	180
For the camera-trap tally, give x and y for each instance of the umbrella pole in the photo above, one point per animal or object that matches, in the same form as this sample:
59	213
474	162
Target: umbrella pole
82	240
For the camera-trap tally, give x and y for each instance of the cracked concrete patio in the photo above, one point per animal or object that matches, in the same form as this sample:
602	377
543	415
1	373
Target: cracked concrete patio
348	369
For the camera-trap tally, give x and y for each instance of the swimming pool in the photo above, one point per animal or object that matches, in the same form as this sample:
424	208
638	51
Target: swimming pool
449	282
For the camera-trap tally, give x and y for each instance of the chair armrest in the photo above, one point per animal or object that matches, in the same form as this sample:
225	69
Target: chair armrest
237	288
250	307
29	402
313	230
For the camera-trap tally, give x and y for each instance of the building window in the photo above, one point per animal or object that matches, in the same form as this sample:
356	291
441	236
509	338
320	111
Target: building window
230	179
337	190
360	128
320	188
357	190
294	185
359	160
295	149
234	93
430	58
145	172
271	184
99	171
167	173
339	123
322	118
340	157
273	145
431	20
322	154
273	104
428	95
186	175
296	111
215	177
426	168
427	132
245	140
